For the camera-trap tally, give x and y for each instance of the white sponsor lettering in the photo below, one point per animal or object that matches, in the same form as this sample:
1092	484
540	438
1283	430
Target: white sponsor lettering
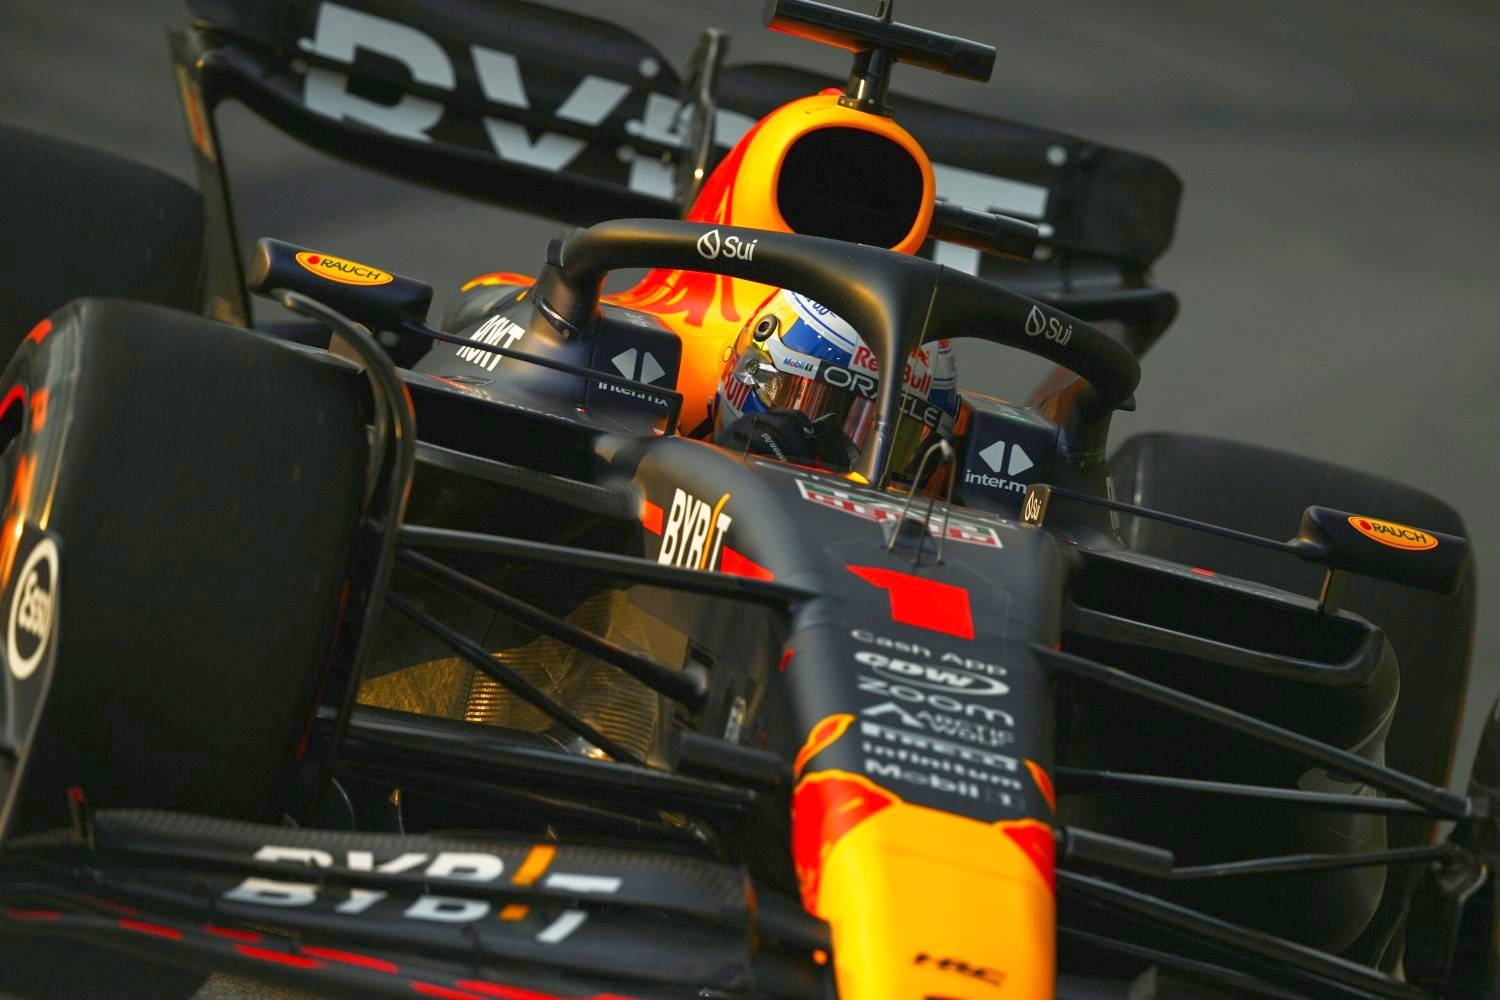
453	866
359	901
965	729
938	765
921	741
712	246
974	663
936	782
447	909
859	383
945	725
466	867
340	32
930	676
625	390
301	855
566	923
364	861
548	151
459	865
582	883
694	532
941	702
977	478
917	649
1040	325
269	892
498	331
870	638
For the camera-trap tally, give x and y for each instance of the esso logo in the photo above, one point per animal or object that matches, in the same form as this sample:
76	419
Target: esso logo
33	610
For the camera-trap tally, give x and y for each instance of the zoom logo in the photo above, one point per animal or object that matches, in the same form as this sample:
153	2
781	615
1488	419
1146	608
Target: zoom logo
712	246
1038	325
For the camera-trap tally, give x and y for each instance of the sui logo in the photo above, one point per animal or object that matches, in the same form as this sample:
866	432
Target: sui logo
712	246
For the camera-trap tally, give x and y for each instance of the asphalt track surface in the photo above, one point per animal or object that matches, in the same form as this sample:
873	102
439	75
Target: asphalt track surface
1335	254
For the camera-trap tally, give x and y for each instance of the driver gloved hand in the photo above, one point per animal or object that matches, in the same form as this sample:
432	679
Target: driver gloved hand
785	435
789	436
835	447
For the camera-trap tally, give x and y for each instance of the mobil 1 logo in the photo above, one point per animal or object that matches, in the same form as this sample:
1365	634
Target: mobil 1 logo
31	616
936	724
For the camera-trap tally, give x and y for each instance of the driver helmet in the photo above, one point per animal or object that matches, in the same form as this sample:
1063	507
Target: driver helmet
799	385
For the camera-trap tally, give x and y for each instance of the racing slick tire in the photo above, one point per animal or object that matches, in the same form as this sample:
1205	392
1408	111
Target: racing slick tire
1264	492
83	222
199	486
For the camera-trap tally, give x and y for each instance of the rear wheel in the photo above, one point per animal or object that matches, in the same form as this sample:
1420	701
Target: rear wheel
82	222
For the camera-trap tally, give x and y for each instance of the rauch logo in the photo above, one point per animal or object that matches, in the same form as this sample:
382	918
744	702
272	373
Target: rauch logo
345	272
1397	536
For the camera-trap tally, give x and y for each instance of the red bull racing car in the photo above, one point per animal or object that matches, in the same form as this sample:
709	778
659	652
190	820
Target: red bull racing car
710	637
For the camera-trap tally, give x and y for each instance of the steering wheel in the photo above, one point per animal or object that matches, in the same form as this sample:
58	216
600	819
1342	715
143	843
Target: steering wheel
897	302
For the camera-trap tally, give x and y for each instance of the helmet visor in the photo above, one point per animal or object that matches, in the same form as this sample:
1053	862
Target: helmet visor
829	394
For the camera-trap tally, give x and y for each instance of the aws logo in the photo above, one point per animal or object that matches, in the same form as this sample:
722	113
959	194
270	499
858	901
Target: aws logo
345	272
1397	536
694	532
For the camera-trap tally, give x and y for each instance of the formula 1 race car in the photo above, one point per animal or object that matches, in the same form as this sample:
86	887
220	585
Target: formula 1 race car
666	643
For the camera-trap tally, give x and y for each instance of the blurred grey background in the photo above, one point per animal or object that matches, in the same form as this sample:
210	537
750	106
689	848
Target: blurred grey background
1336	252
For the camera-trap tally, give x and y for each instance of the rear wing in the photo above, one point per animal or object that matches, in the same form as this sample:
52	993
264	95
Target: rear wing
569	117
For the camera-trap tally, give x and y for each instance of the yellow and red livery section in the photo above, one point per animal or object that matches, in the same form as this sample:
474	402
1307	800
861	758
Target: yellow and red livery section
707	310
924	903
498	278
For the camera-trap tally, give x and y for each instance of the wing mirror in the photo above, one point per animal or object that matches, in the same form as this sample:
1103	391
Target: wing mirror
1386	550
1337	540
369	295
